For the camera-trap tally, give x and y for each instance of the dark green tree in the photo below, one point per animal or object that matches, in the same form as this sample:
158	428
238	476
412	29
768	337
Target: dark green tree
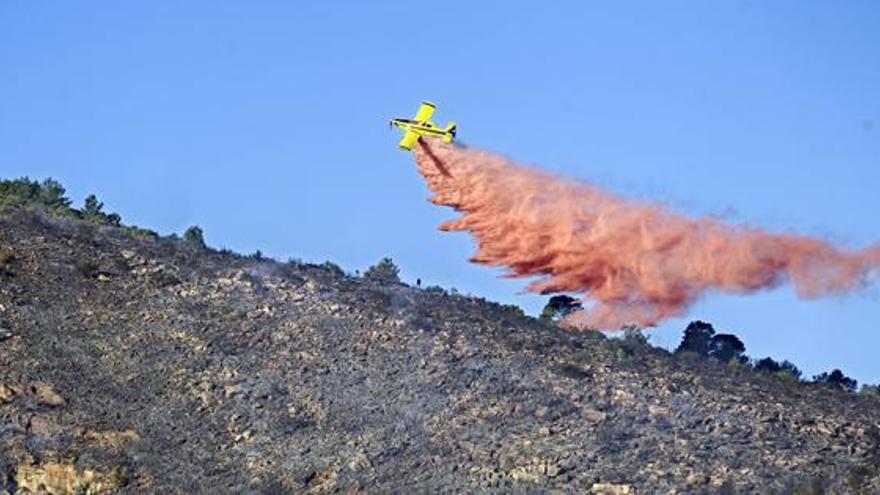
195	236
836	379
767	365
114	219
788	368
23	191
697	338
384	271
558	307
785	369
632	333
52	194
93	210
726	346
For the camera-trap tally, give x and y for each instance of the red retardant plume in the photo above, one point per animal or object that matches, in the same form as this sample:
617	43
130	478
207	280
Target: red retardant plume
638	263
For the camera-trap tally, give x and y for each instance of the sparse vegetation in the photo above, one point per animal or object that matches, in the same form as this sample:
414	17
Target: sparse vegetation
333	268
384	271
93	211
700	340
26	192
785	370
140	233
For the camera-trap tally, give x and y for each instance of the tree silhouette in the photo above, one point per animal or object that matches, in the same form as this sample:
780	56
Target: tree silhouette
383	271
725	347
559	307
195	236
836	379
697	338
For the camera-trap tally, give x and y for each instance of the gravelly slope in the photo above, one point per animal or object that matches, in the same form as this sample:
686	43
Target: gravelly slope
151	366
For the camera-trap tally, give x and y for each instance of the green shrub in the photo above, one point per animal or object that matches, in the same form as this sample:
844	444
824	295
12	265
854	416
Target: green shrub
736	364
384	271
836	379
333	268
634	335
52	194
93	209
195	236
139	233
114	219
26	192
787	376
513	310
6	255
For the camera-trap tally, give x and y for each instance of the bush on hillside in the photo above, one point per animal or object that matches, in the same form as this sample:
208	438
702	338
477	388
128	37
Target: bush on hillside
140	233
93	211
837	379
633	334
195	236
786	369
384	271
333	268
25	192
870	390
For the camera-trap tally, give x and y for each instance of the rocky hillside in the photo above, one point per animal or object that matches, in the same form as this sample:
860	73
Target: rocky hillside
155	366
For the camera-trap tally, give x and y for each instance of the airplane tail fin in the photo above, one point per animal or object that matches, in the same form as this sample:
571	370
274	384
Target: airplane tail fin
450	131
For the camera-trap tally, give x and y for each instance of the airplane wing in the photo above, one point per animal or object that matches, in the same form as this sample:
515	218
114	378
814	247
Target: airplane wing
425	112
409	140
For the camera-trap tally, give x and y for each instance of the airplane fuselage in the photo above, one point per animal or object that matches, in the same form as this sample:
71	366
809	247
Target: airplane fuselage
421	125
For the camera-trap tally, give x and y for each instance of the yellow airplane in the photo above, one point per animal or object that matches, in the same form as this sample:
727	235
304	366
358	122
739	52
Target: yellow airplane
421	125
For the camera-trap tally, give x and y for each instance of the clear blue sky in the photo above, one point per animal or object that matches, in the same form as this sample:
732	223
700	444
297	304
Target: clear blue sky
265	123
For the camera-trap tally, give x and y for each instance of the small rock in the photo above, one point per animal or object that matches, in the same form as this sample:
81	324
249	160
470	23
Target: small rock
47	395
7	392
593	415
612	489
43	426
359	462
5	334
231	390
